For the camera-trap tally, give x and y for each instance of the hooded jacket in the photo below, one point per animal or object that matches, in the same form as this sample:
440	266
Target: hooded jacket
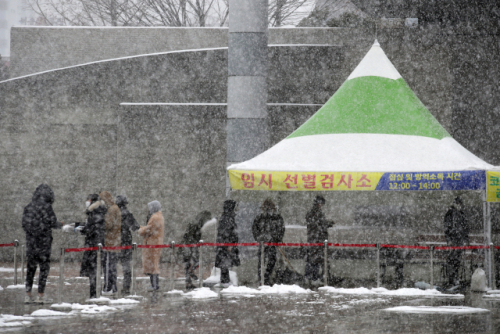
456	227
94	235
268	227
38	221
226	233
112	222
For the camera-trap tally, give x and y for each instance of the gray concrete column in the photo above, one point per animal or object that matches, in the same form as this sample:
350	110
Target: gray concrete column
247	133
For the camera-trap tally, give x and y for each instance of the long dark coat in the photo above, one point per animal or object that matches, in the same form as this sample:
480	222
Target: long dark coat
38	221
94	235
226	233
317	231
456	227
268	227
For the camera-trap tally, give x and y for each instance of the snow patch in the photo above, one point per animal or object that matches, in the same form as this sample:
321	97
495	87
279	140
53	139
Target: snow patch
386	292
6	270
436	309
123	301
265	290
98	309
21	286
48	313
201	293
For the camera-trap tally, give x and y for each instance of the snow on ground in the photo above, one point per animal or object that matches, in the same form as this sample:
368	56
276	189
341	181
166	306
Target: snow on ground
8	320
123	301
6	270
386	292
266	290
200	293
48	313
215	277
436	309
98	309
99	300
1	288
21	286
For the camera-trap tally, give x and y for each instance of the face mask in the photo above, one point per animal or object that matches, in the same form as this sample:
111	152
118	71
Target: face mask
87	204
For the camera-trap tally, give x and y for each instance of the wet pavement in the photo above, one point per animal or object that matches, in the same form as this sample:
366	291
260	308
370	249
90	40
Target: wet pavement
318	312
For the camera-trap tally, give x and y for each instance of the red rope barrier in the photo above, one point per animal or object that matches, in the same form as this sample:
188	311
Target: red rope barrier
219	244
404	246
460	247
497	247
116	248
70	250
187	245
7	245
353	245
153	246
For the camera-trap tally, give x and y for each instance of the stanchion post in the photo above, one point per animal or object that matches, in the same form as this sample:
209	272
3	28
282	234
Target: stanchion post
431	250
200	274
492	261
61	277
325	271
172	265
98	272
262	263
16	244
23	277
378	265
134	254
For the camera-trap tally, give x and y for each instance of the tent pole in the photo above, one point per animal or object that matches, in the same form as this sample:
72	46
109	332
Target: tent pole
487	238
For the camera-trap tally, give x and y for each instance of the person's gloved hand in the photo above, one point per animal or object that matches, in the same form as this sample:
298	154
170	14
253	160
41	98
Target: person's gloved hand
79	229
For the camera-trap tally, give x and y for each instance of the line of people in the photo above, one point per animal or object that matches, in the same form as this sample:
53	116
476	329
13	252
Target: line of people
108	223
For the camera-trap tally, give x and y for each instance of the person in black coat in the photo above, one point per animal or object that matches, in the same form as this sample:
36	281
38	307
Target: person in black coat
317	232
129	224
191	255
227	257
269	226
38	221
93	229
456	231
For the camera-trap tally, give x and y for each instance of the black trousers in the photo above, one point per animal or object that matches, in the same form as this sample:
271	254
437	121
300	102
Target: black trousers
270	256
314	263
109	268
43	261
224	275
125	259
453	263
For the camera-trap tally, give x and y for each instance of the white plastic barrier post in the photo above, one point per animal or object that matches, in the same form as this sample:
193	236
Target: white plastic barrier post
134	253
98	272
172	265
16	244
262	263
431	249
61	277
200	274
325	271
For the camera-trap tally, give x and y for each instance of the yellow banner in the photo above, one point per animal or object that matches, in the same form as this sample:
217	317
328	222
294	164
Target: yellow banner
492	186
303	181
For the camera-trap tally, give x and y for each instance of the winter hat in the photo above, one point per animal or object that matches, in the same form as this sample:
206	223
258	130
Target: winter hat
458	201
43	193
268	205
121	200
203	217
93	198
319	200
154	207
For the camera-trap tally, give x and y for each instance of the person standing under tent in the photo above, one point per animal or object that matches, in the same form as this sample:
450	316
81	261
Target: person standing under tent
112	238
227	257
191	254
129	224
268	227
456	231
317	232
153	235
38	221
93	229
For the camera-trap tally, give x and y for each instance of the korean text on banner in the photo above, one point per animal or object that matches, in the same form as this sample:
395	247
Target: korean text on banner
492	186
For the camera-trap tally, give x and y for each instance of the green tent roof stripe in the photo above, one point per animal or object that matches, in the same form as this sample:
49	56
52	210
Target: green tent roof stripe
373	104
